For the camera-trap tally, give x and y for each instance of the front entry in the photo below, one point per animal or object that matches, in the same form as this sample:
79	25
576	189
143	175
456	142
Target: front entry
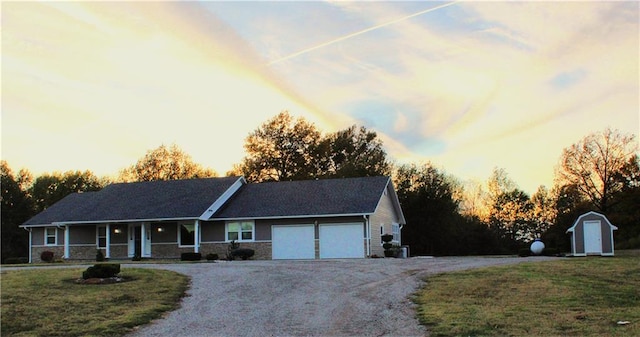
139	240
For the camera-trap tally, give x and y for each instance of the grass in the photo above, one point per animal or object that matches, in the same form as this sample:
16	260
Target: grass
568	297
46	302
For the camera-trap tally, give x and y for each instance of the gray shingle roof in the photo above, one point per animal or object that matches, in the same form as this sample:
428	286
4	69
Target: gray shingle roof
172	199
307	197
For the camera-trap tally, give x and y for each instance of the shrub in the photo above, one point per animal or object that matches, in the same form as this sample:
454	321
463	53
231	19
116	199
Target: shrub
387	238
46	256
212	257
243	253
16	260
387	245
190	256
524	252
102	270
99	256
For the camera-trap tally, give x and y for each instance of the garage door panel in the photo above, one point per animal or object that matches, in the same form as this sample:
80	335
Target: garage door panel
293	242
341	241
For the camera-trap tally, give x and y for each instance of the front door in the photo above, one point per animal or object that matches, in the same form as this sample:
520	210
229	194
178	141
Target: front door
139	240
592	237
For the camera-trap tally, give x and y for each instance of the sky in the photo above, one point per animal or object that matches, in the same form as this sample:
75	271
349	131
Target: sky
467	86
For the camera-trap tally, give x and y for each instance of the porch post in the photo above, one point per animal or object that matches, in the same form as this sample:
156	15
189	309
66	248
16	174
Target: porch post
66	242
107	250
30	245
196	237
143	239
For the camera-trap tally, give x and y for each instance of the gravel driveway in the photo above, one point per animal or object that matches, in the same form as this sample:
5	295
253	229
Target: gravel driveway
360	297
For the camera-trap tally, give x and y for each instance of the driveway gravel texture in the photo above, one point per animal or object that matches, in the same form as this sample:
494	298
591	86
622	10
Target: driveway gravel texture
355	297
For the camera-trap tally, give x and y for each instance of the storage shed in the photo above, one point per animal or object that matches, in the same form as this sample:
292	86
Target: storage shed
592	234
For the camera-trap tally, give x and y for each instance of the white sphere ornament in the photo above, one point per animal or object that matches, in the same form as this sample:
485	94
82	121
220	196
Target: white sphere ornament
537	247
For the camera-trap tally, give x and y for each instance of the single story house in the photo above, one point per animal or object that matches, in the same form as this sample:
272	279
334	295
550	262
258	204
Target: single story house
313	219
592	234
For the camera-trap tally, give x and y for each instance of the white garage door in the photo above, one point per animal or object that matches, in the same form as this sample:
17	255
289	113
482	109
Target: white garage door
339	241
293	242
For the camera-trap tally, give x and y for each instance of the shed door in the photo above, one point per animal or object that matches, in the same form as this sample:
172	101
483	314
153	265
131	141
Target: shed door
293	242
592	237
339	241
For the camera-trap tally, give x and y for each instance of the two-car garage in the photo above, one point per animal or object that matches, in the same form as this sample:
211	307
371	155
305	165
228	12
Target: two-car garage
335	241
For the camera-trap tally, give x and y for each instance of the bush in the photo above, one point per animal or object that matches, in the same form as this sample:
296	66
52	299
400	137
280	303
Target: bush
243	253
46	256
387	245
524	252
102	270
387	238
212	257
16	260
190	256
99	256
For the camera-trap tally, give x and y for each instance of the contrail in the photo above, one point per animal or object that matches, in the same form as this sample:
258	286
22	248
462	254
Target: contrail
342	38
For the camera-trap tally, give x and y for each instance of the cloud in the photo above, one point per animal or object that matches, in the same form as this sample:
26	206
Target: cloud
129	77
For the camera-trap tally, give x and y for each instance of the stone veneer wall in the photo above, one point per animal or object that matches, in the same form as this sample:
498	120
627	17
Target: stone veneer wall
262	249
88	252
58	252
168	251
119	251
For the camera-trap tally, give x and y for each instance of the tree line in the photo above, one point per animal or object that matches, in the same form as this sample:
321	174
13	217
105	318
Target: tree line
445	216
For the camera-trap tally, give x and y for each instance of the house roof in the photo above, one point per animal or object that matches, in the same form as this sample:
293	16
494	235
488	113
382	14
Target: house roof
220	198
326	197
173	199
590	214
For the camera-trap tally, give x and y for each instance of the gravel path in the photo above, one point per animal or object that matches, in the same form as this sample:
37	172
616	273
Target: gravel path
361	297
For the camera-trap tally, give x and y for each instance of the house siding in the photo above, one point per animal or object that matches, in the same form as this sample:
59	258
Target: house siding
169	233
212	231
384	216
79	235
119	238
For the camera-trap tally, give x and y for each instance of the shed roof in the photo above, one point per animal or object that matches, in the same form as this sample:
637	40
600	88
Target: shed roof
171	199
325	197
591	214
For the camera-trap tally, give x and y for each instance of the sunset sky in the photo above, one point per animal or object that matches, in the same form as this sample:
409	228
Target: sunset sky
468	86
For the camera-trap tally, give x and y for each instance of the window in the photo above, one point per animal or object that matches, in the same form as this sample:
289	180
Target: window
187	234
395	230
240	231
50	236
101	236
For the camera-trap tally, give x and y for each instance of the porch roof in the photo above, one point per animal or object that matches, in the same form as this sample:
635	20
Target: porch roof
137	201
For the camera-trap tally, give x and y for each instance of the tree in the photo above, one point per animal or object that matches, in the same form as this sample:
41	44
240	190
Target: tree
429	207
16	209
165	163
282	149
48	189
510	216
593	165
624	212
356	152
543	212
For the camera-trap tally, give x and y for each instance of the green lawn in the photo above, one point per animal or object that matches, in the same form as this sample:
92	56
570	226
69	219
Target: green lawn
567	297
46	302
